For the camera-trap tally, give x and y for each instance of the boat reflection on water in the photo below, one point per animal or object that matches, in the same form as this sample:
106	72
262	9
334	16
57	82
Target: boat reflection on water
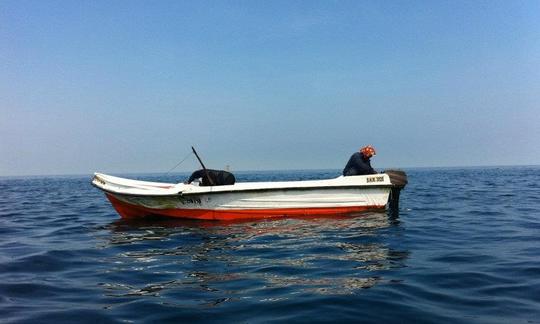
267	260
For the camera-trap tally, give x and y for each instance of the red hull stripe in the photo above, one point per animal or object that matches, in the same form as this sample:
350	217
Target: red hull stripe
127	210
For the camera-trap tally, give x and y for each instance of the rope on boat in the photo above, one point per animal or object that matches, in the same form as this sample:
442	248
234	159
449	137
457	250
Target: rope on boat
179	163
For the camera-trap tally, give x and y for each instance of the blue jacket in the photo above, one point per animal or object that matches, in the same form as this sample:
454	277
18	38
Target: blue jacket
358	165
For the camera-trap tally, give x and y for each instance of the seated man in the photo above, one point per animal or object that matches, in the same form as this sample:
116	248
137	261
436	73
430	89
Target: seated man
217	177
359	163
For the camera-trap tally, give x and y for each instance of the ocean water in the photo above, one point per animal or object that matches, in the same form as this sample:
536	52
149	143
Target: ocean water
465	248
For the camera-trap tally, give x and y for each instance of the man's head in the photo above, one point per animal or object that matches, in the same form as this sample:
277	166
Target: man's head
368	151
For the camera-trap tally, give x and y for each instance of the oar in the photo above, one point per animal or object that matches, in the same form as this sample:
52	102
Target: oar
204	168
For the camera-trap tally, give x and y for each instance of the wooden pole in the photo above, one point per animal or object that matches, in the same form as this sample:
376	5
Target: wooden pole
204	168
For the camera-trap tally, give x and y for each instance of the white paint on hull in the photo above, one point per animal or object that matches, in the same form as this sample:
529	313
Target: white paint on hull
355	191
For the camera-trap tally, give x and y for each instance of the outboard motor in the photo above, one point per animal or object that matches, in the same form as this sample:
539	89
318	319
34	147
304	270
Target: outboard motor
399	180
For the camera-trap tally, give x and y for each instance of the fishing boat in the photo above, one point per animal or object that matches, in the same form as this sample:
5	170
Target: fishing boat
253	200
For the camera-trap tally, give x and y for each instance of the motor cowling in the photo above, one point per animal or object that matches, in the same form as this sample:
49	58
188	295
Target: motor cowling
398	178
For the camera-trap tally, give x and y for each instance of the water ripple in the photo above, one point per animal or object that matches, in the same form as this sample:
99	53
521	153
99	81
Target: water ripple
465	248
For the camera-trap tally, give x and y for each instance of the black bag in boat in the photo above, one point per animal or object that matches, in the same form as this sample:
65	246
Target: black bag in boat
217	177
223	178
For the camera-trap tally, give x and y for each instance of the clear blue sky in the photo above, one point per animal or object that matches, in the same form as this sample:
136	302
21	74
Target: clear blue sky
129	86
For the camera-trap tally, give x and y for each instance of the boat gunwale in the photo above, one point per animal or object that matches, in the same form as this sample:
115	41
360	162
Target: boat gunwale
375	186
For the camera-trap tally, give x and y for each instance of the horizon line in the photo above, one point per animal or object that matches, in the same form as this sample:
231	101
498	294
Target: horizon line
266	170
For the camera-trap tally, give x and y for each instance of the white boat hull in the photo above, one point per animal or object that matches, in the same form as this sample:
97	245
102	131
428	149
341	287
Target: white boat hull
246	200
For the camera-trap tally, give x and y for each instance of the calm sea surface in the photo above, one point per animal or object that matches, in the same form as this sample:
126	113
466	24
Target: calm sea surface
464	249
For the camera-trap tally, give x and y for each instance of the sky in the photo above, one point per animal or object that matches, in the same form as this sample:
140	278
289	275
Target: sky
130	86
